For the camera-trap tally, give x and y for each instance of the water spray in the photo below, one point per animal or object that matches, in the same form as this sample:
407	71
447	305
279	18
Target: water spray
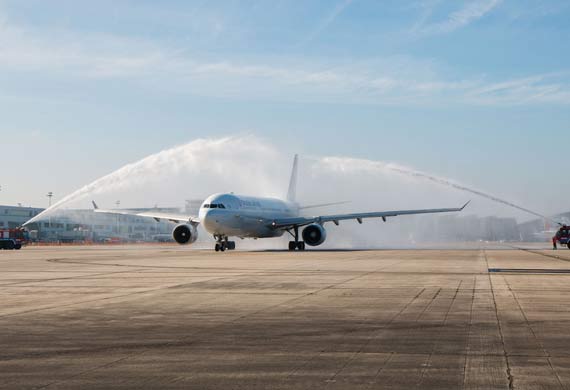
461	187
209	159
242	163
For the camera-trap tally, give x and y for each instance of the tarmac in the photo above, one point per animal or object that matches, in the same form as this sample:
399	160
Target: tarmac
150	317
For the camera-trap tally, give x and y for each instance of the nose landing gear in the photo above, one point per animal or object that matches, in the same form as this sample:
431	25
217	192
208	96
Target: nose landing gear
222	244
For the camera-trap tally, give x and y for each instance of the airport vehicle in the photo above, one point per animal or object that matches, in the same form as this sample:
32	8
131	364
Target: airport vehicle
562	236
229	215
13	238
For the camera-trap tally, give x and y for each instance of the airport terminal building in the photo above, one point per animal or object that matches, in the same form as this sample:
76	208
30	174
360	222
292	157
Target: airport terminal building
86	225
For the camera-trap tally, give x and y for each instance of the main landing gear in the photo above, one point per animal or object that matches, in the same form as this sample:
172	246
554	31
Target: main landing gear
222	244
296	245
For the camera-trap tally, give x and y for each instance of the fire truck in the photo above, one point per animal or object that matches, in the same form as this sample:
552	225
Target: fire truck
562	236
13	238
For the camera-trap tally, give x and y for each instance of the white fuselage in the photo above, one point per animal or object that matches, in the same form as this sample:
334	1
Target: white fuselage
244	216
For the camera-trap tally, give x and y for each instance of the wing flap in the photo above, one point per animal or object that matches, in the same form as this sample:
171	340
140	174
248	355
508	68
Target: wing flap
178	218
284	223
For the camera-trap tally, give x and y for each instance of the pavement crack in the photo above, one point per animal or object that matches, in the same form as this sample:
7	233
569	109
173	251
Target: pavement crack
501	335
546	354
467	347
381	369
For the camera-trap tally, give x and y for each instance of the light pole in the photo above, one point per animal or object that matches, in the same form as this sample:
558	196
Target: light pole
49	195
117	203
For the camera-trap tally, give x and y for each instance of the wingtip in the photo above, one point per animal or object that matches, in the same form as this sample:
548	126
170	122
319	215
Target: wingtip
94	205
465	205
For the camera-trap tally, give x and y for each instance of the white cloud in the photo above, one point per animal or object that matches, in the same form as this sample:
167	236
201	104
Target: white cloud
328	20
544	88
392	80
469	13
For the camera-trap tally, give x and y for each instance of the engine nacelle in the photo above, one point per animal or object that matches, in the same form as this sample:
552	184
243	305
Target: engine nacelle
185	234
314	235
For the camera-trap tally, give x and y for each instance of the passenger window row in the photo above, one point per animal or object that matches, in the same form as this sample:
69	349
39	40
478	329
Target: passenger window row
214	206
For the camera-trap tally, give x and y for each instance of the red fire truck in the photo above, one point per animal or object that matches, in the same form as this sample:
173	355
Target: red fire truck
562	236
13	238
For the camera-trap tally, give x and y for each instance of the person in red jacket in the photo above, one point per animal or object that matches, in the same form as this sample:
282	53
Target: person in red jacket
554	243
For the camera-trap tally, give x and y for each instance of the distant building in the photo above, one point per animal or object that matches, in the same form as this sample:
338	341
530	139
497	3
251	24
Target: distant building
14	216
86	225
459	228
193	206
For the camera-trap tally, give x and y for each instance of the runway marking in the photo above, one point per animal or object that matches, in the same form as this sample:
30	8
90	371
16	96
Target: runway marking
315	356
65	278
529	270
359	352
536	252
277	271
386	325
112	297
434	345
376	333
82	373
431	301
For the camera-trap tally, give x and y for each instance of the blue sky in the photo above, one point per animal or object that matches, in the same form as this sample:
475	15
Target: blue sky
478	91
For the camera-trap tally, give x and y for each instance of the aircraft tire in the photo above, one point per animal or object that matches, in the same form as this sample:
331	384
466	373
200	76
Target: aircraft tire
292	245
217	248
301	245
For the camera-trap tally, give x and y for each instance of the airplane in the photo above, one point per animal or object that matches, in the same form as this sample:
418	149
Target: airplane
228	215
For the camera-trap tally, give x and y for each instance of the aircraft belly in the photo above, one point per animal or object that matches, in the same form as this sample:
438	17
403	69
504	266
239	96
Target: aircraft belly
252	231
231	225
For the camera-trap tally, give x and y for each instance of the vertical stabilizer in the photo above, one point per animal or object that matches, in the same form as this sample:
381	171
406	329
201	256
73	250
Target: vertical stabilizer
292	192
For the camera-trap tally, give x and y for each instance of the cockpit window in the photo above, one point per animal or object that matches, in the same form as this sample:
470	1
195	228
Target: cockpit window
214	206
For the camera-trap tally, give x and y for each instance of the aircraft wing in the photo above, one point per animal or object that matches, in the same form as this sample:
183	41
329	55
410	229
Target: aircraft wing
286	223
157	215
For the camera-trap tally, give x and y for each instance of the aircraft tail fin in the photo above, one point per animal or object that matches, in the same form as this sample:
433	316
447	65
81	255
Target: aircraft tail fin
292	192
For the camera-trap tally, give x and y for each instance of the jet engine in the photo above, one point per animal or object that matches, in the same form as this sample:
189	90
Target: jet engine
185	234
314	235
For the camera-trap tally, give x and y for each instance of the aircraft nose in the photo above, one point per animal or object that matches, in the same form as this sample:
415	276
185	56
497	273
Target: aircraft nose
209	220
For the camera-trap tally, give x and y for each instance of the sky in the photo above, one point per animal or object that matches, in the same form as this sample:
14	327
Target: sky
477	91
